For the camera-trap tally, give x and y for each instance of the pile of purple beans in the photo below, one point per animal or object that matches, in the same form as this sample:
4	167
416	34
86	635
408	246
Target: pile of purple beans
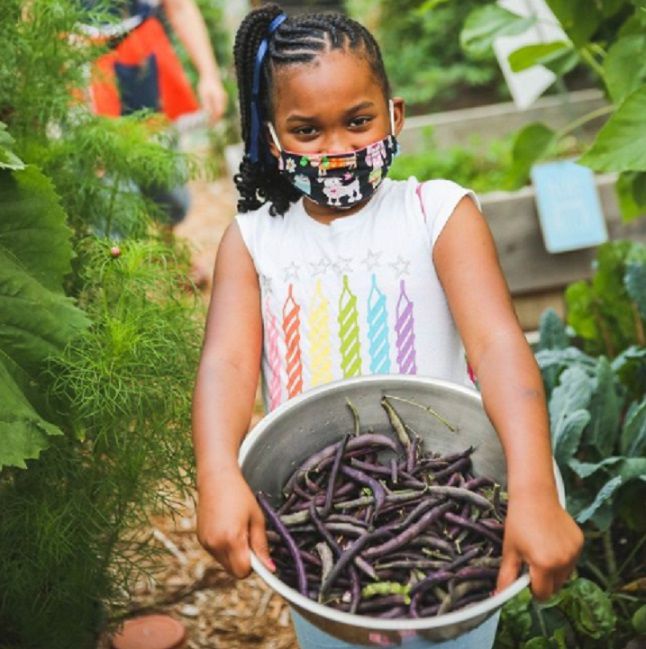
376	525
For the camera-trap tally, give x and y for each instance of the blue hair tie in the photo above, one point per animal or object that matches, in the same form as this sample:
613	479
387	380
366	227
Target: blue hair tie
255	87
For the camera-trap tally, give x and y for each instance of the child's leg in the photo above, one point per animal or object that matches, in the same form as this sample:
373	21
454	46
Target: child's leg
482	637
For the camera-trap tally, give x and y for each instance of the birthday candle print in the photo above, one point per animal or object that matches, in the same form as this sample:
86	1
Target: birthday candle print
349	332
319	337
404	326
291	326
378	330
273	357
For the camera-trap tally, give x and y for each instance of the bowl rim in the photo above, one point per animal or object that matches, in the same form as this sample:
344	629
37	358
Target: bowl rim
483	608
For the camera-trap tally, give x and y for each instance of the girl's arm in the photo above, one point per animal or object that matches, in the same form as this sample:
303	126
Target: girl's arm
229	518
187	22
538	531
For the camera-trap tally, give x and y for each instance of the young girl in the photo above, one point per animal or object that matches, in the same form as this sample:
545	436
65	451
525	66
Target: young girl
332	270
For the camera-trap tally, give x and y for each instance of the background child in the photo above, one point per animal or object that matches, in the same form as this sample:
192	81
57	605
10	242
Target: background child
331	270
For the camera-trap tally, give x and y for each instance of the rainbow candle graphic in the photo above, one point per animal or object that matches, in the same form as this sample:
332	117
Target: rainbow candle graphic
404	327
349	331
291	325
273	357
319	337
378	330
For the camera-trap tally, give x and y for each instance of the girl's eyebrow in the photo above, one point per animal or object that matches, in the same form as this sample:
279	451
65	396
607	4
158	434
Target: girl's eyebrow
308	118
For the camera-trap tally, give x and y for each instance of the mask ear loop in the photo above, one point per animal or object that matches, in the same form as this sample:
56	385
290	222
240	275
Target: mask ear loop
391	111
274	136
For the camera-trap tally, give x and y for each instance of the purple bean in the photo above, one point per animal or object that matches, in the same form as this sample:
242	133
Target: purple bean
336	548
449	459
378	490
469	573
285	507
472	525
493	524
459	493
435	542
289	541
361	441
419	509
395	612
333	473
455	480
476	483
458	465
368	466
411	455
396	422
463	558
344	518
393	470
405	536
376	603
429	611
348	554
344	528
418	590
410	564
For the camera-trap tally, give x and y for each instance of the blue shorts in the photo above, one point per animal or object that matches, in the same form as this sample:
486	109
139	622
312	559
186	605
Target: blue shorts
482	637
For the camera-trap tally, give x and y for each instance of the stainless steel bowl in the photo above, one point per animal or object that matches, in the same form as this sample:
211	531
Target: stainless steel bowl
303	425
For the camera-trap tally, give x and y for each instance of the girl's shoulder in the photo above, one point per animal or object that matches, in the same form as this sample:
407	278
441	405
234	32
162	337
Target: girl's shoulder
434	190
436	200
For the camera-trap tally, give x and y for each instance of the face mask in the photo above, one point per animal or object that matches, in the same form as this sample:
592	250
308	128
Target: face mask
339	180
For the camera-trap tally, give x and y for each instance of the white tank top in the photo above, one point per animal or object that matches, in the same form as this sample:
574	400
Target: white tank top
358	296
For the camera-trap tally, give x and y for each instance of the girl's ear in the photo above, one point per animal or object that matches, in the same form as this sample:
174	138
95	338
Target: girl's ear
398	113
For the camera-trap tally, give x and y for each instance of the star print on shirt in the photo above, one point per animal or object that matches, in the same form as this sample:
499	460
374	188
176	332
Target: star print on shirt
343	265
320	267
401	266
371	260
265	284
291	271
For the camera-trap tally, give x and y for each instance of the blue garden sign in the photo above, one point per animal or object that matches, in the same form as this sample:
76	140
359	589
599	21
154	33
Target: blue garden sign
568	205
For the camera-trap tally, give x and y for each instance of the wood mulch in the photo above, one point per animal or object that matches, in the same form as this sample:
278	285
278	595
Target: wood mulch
217	610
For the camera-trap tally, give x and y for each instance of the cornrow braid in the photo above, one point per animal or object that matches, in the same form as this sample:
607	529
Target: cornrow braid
298	39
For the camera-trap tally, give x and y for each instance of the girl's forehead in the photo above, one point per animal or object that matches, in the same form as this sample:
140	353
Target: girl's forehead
334	81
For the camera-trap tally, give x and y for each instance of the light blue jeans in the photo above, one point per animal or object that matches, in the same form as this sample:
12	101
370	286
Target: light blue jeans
482	637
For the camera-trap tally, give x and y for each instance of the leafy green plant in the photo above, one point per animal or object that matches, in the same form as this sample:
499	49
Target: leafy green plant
484	168
481	168
99	336
597	413
577	616
422	52
37	320
609	37
608	312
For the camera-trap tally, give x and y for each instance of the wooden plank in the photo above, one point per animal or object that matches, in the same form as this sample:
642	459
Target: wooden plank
457	127
529	308
528	267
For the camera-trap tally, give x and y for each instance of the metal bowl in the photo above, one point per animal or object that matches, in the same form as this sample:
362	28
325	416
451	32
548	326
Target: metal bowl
305	424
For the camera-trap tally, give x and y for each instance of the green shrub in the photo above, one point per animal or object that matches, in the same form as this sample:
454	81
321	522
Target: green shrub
421	49
99	341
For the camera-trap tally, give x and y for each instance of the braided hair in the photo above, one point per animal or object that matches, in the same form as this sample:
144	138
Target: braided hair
298	39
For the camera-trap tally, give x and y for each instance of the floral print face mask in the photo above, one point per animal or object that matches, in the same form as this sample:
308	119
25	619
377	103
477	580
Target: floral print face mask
339	180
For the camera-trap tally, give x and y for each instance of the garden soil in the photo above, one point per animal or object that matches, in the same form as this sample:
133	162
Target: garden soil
218	611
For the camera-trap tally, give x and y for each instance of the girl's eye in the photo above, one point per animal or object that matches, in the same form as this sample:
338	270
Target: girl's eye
306	131
357	122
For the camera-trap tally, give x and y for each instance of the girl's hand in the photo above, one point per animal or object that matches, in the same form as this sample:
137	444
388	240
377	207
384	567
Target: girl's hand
541	534
230	523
